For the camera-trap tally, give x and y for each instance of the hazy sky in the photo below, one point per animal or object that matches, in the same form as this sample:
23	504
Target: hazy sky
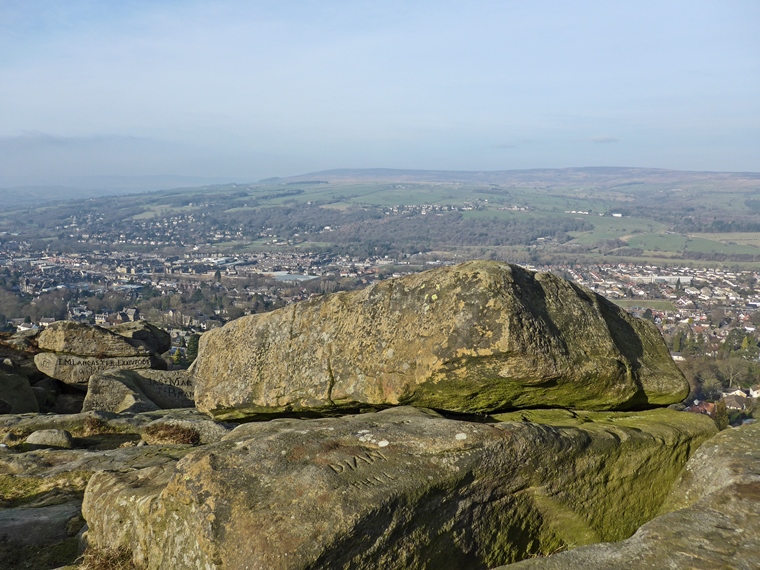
253	89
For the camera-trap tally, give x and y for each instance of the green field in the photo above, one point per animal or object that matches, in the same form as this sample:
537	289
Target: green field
500	214
710	246
733	238
607	227
658	242
668	242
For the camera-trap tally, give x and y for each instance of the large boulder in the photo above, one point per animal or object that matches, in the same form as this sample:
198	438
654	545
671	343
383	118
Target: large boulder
16	394
72	352
138	390
87	340
168	389
22	340
158	340
402	488
477	337
116	391
717	524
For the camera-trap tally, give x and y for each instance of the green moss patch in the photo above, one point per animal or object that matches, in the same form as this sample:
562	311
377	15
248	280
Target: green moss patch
17	490
638	457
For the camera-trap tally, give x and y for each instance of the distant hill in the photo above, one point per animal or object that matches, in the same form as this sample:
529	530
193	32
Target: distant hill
97	187
631	214
602	176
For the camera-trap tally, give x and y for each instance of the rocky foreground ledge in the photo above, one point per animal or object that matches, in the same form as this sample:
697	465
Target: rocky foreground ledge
398	489
712	518
402	433
47	460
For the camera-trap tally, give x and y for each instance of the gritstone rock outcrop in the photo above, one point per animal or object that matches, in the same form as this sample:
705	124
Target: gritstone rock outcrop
399	489
477	337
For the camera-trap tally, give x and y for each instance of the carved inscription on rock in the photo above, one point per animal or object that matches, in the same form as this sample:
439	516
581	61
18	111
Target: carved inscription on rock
172	389
367	469
77	369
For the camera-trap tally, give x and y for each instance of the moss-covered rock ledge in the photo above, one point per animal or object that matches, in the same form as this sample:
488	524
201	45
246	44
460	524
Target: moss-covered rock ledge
399	489
477	337
711	519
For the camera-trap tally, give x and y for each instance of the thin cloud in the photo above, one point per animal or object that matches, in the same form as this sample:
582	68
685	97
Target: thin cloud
35	140
604	139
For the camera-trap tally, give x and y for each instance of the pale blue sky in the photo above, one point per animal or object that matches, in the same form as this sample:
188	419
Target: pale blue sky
253	89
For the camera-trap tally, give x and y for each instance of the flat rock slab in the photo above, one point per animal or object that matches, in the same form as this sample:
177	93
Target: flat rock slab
28	423
87	340
399	489
51	464
40	526
477	337
119	423
717	527
77	370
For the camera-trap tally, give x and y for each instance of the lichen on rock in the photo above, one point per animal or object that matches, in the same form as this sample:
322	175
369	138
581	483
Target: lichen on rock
476	337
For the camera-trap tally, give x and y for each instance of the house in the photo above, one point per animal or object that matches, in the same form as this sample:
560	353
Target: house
734	392
735	402
119	317
209	324
706	408
46	321
754	392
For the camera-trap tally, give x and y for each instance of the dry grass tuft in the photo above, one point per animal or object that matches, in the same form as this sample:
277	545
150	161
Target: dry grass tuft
96	426
14	438
169	434
106	559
